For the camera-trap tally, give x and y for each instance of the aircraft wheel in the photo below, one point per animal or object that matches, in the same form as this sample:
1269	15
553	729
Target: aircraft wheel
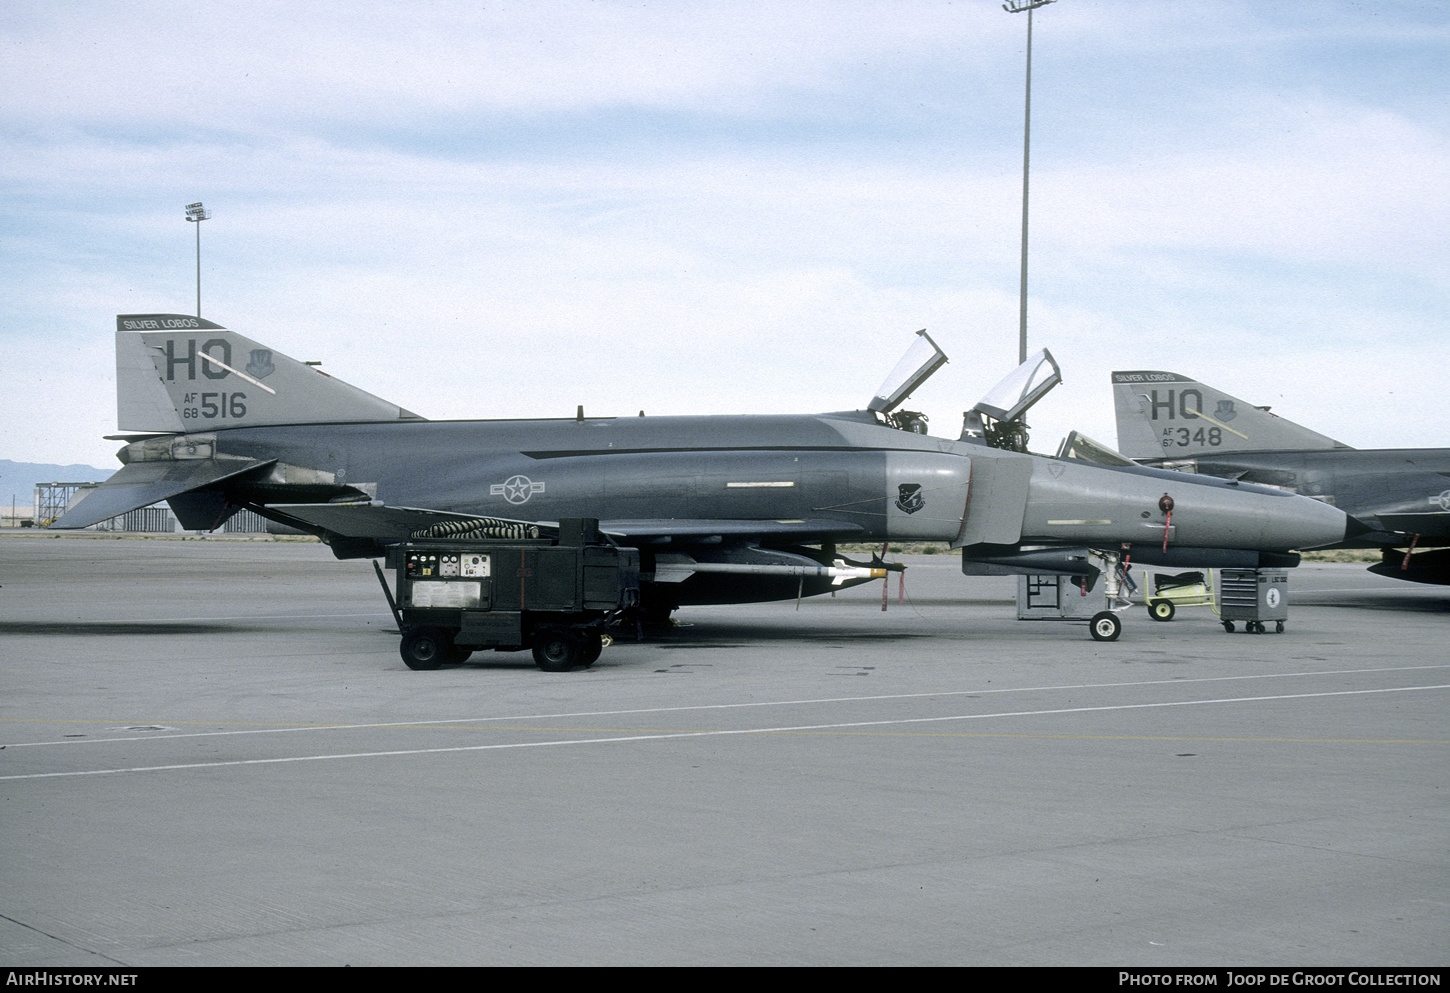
557	649
1105	626
425	648
593	646
1162	610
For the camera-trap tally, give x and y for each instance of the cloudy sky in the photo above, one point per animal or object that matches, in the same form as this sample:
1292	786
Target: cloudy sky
509	209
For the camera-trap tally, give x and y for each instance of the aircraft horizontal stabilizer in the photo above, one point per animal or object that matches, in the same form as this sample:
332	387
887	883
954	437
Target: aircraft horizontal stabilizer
141	484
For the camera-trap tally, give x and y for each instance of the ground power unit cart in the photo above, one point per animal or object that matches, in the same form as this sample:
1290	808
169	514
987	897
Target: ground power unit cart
558	596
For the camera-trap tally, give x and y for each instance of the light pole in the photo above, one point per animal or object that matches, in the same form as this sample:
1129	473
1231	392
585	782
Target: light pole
1017	7
196	213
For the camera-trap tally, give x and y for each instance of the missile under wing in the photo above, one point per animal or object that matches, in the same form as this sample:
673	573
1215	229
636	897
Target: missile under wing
1403	495
730	508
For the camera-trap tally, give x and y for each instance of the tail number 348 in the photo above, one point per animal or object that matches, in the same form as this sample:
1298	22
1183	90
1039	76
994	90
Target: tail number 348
1183	437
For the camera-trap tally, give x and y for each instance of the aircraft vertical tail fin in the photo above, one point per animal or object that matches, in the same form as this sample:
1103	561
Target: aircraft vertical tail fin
176	373
1165	415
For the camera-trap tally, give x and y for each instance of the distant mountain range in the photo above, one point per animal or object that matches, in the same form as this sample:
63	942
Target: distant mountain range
18	479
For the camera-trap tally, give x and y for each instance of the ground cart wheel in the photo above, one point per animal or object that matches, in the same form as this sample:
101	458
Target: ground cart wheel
557	649
1228	626
425	648
1162	610
1105	626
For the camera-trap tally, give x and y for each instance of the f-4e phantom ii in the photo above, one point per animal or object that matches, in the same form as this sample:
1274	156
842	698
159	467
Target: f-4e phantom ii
724	509
1402	494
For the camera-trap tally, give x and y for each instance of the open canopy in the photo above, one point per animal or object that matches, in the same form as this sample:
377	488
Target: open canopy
921	360
1022	387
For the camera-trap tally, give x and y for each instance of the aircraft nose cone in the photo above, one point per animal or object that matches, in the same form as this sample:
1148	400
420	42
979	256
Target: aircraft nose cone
1320	524
1330	525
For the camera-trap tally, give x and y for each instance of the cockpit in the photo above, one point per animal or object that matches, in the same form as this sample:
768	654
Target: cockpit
999	420
923	358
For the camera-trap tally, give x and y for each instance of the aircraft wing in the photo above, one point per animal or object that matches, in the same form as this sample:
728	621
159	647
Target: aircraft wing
385	523
141	484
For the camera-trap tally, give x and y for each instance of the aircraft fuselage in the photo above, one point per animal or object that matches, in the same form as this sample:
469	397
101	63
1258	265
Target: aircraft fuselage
809	478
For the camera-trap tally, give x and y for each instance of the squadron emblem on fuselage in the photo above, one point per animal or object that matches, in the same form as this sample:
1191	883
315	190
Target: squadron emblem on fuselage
909	498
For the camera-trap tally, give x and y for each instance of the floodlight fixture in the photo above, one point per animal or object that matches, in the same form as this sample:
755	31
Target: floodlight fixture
1017	7
196	213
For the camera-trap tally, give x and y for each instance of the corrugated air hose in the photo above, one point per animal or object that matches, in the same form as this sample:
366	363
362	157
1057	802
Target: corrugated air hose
480	527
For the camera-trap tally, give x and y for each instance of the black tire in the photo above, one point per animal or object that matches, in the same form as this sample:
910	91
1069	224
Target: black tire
1228	626
1278	627
557	649
425	648
1105	626
593	646
1161	610
457	654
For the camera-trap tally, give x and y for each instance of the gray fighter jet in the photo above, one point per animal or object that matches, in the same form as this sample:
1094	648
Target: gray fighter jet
724	509
1403	494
